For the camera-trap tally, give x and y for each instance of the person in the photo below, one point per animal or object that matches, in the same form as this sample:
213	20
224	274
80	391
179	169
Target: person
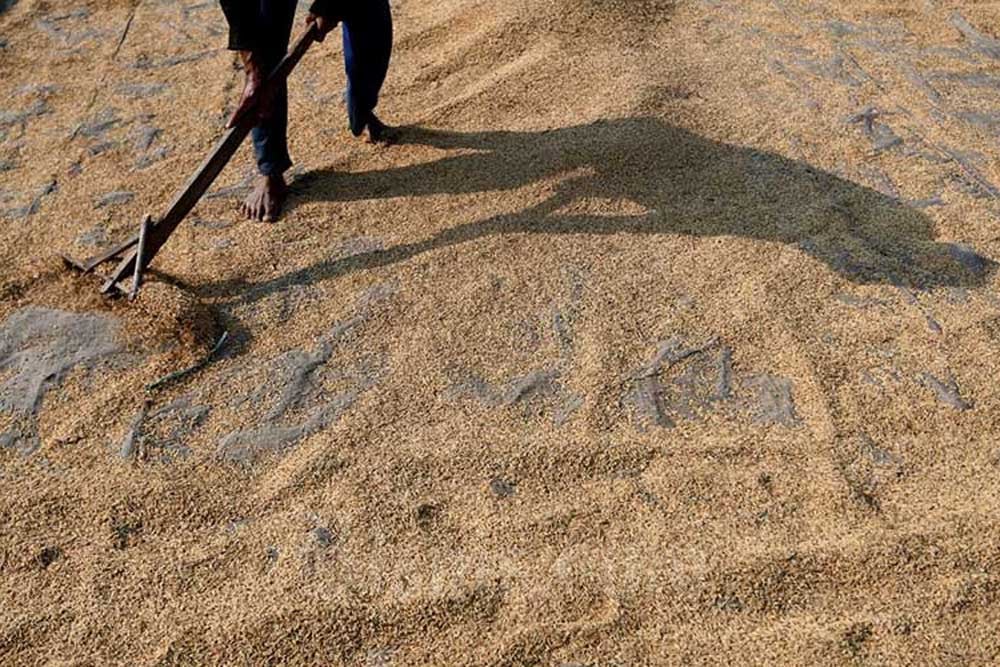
259	30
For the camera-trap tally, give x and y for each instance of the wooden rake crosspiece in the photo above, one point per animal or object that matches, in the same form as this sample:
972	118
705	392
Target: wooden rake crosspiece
138	251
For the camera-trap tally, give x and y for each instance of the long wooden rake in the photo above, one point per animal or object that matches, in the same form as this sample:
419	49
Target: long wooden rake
138	251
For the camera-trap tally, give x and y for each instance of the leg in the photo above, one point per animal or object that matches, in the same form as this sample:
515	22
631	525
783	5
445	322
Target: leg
367	51
270	137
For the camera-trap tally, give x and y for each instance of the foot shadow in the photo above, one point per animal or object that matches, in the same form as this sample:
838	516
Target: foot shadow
687	184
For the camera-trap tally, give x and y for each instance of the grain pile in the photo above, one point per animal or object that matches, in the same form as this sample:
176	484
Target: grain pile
668	334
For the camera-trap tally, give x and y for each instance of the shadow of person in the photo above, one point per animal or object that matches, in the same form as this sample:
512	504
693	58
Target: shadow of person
682	183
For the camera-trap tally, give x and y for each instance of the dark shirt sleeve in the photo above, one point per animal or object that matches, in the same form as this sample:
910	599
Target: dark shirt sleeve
243	29
331	9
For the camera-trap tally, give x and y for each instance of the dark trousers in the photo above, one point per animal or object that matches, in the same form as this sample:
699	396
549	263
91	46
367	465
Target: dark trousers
367	50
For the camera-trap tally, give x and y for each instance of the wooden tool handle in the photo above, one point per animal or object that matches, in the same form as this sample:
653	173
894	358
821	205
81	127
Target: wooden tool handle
209	169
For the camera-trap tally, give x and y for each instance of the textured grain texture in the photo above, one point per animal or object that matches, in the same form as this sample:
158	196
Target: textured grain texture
667	334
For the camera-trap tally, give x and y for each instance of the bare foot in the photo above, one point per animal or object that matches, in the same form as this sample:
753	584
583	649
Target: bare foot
264	203
380	133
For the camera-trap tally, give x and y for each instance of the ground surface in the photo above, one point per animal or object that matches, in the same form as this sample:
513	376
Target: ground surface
668	334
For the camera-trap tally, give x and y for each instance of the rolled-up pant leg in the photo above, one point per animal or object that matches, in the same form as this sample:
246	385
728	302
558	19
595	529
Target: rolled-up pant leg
270	138
367	50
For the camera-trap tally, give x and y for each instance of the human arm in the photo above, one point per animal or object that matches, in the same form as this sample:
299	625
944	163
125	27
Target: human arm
325	15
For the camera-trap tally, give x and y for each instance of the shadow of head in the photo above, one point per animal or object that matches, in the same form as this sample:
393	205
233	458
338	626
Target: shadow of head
674	182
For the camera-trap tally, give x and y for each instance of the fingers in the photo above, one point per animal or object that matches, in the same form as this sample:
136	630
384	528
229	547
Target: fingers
248	99
237	113
241	110
318	22
323	25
